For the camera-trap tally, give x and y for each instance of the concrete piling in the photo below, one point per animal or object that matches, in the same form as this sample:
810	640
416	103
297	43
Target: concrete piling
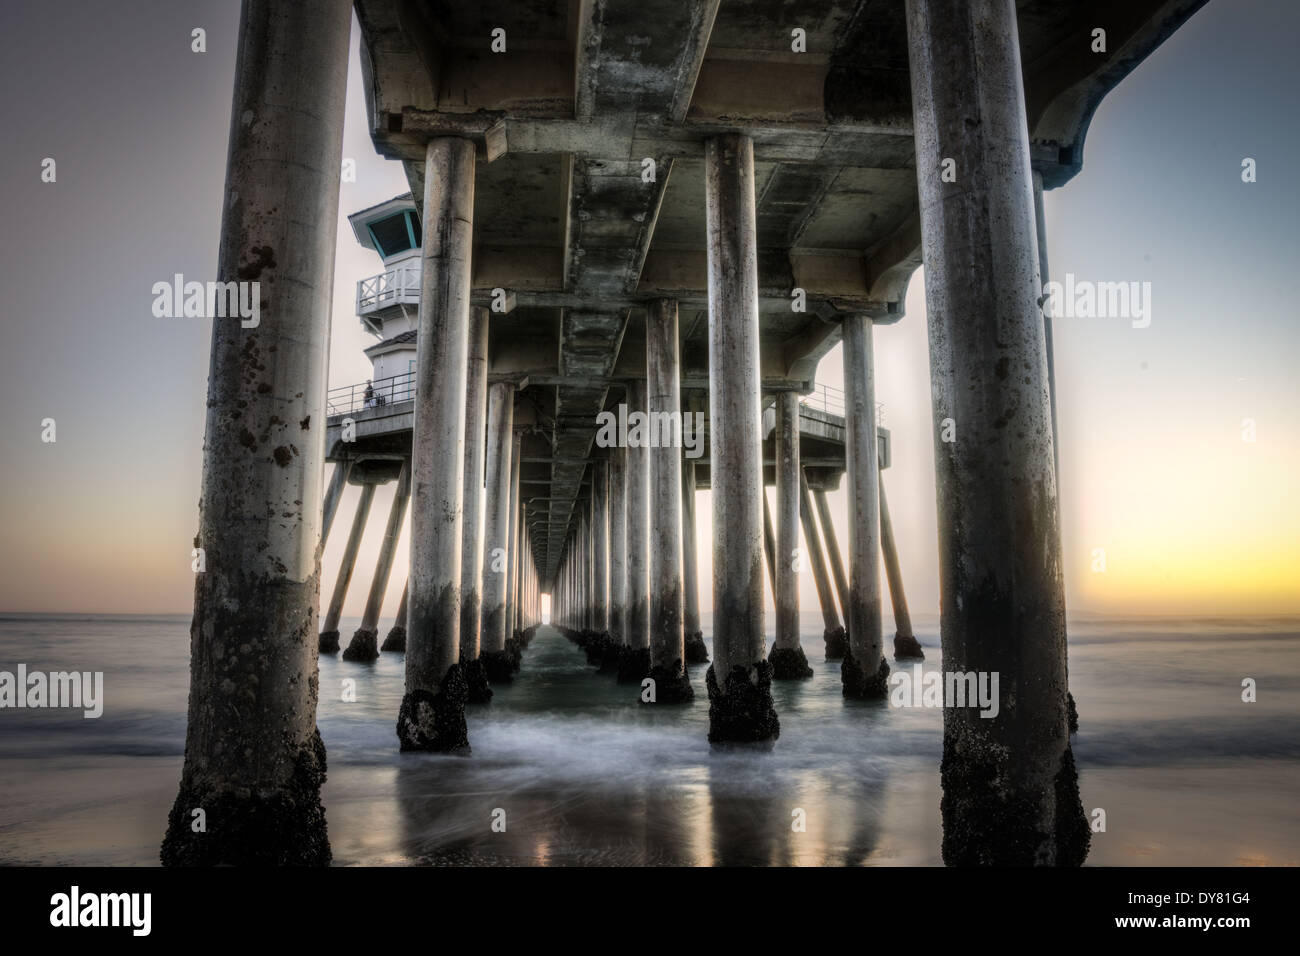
432	715
1010	790
604	649
906	646
769	543
864	672
697	652
600	547
364	645
839	648
634	666
833	632
471	536
338	481
617	554
328	642
395	641
513	649
664	404
254	760
1040	229
739	679
788	658
496	531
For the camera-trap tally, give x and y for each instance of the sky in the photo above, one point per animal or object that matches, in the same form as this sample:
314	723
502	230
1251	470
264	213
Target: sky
1155	474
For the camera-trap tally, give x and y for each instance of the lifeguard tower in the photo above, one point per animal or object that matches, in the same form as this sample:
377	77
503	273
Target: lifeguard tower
388	304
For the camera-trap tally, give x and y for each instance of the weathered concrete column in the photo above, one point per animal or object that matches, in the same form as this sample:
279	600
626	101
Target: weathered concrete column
512	561
769	543
1040	232
697	652
328	642
1040	228
589	567
471	531
338	481
840	647
1010	788
617	548
906	645
527	590
396	639
740	678
496	531
254	761
605	649
833	632
432	715
865	672
581	570
634	666
664	405
364	645
522	576
600	546
788	658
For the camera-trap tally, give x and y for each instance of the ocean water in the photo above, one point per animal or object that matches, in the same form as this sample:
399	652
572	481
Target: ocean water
1186	772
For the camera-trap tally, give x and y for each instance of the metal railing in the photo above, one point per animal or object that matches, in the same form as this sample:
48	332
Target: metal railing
346	399
829	399
399	285
382	392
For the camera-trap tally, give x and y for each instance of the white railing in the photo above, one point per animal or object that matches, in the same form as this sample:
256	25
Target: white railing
399	285
829	399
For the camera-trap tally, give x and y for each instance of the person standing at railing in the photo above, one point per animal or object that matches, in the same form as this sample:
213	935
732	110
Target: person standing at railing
369	396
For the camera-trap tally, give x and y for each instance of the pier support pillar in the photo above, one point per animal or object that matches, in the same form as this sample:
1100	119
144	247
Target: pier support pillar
471	532
328	642
837	648
338	481
1040	224
432	715
617	554
604	649
864	673
395	641
740	678
788	658
364	645
906	646
634	666
1010	790
769	544
832	631
600	546
496	531
664	404
697	652
512	561
254	760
